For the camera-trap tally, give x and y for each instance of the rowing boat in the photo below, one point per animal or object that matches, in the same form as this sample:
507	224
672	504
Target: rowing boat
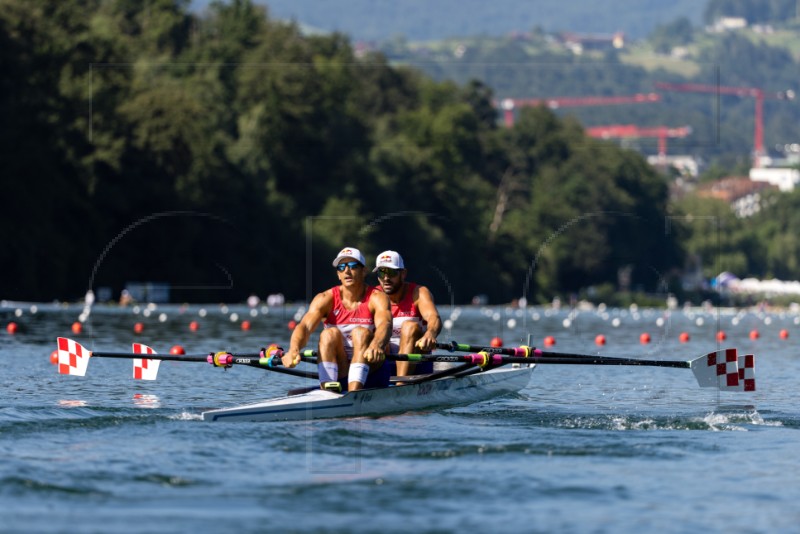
443	392
484	374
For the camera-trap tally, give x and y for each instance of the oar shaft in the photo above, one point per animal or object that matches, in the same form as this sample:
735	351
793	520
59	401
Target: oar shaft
558	357
164	357
536	357
249	359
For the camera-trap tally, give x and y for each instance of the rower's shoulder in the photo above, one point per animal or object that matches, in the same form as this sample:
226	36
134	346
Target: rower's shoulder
323	299
377	296
418	289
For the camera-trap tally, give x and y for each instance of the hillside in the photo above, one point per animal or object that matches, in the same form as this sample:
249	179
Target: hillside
377	20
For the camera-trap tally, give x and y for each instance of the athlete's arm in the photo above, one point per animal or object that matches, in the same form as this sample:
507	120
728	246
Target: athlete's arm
427	309
319	309
381	310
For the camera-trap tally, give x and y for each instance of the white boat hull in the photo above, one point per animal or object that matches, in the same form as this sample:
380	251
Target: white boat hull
440	393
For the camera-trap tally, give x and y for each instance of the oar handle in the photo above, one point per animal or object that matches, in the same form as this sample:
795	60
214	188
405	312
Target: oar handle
454	346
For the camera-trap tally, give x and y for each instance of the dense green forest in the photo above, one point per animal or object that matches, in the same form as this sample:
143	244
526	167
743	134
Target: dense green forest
227	154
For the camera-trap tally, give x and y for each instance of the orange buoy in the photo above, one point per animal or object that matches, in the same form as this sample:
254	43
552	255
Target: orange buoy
684	337
549	341
138	328
721	335
193	326
600	339
54	357
245	325
12	327
754	335
292	324
77	328
644	338
496	342
784	334
177	350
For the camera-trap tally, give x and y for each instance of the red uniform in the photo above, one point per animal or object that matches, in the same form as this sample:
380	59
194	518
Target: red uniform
346	320
403	311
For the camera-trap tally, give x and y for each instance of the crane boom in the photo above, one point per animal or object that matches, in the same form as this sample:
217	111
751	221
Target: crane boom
631	130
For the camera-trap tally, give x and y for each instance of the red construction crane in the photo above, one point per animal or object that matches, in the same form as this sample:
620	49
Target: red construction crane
630	130
758	94
509	104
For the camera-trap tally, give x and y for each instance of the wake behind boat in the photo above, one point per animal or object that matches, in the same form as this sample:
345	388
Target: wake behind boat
442	392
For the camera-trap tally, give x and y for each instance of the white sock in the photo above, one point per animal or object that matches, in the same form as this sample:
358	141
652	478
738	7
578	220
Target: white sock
358	373
328	372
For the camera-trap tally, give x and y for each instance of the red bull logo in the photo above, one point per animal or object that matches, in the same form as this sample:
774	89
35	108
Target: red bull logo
386	257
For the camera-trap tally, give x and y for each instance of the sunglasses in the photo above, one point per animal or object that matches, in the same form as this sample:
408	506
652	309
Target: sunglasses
352	264
388	273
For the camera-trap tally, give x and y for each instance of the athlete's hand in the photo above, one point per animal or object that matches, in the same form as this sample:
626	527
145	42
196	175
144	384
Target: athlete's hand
290	358
374	355
426	343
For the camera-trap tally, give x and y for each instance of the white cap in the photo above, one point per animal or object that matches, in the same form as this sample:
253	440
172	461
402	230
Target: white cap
350	252
390	259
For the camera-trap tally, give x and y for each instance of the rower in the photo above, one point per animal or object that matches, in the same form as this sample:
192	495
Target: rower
415	320
358	324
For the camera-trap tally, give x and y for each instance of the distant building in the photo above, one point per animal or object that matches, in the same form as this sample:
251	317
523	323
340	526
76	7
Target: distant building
743	194
724	24
579	43
148	291
785	179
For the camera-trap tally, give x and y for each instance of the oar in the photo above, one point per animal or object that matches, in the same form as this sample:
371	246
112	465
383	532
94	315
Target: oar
73	359
720	369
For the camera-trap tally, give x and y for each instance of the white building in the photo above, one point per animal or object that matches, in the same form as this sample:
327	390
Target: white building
785	179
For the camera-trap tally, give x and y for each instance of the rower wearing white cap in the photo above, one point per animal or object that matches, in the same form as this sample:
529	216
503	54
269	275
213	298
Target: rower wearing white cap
415	320
358	324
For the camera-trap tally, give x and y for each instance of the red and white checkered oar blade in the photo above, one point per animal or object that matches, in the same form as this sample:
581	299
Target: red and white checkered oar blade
143	368
73	358
718	369
747	373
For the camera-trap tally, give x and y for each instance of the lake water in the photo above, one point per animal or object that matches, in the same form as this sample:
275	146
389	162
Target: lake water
581	449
